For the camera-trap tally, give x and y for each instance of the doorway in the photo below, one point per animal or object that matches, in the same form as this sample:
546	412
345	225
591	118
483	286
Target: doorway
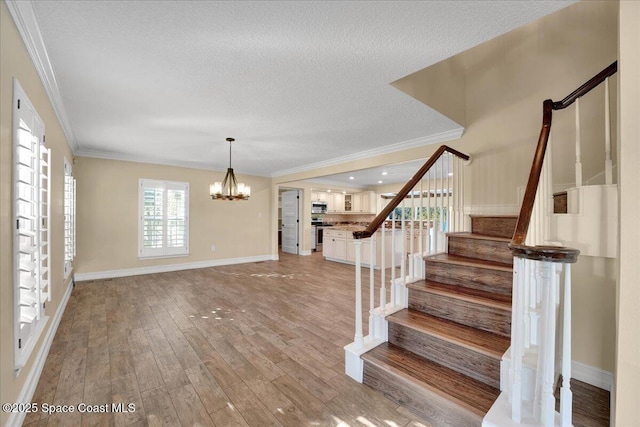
290	221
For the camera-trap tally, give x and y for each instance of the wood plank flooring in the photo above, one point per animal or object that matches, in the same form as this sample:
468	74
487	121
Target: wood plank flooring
245	345
255	344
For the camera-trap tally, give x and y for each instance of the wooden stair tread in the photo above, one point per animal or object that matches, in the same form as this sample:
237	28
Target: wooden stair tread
478	236
470	262
468	294
456	387
477	340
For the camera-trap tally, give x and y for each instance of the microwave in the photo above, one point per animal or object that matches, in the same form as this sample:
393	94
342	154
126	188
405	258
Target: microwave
318	207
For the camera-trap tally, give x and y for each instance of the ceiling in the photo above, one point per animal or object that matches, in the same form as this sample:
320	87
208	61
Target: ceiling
296	83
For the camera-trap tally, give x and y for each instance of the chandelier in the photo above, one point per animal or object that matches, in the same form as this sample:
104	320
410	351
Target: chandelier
229	188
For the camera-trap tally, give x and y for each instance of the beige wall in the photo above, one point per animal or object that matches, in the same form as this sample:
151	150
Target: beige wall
16	63
107	216
627	379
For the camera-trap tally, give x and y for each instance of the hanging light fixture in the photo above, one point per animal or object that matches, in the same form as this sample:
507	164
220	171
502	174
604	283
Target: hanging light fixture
229	188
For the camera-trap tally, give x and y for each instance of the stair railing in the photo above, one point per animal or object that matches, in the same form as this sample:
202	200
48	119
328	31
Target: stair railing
410	226
537	280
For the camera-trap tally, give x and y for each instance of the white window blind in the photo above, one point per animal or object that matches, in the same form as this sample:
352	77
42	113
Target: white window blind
32	189
164	218
69	218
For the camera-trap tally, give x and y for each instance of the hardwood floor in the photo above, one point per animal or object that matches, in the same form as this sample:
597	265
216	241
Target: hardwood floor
255	344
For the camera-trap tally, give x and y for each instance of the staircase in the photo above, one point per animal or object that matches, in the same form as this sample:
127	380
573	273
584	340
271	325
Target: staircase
442	358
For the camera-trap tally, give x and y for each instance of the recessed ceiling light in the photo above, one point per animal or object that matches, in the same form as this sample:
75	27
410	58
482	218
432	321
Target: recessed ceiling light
344	192
379	182
328	191
352	177
450	173
385	172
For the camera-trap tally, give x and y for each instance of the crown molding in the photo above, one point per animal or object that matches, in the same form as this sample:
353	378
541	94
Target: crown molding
108	155
25	19
387	149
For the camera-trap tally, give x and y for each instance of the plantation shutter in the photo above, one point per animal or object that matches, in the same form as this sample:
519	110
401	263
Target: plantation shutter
32	187
164	226
69	218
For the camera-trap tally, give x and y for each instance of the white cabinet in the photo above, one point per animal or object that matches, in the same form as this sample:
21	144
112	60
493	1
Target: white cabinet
334	244
339	246
364	202
335	202
318	196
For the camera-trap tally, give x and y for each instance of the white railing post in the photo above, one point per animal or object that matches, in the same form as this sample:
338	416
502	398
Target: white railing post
383	270
608	165
393	258
578	146
373	332
566	397
547	348
517	335
359	337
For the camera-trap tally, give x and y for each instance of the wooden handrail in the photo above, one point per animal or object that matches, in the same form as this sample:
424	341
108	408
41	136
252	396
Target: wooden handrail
522	226
587	87
382	216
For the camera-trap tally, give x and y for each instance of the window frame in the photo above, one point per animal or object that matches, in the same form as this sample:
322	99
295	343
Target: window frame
32	233
165	251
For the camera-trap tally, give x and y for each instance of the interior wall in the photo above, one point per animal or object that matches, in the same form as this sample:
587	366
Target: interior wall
627	379
17	63
107	216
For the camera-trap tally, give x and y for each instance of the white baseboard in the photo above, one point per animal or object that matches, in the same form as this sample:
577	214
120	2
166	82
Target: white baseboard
110	274
305	253
29	387
591	375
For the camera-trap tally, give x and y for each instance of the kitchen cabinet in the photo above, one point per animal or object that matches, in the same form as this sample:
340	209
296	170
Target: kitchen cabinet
318	196
340	247
335	203
364	202
334	244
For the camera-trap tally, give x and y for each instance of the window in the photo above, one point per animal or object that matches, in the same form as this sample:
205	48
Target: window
69	218
32	189
164	218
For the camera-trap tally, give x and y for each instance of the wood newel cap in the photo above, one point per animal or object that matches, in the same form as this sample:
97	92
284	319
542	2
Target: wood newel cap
546	253
362	234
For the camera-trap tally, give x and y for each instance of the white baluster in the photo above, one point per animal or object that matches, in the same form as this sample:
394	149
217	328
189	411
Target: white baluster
358	338
547	349
403	268
429	220
421	224
412	233
383	266
608	166
566	397
517	335
373	332
578	146
393	258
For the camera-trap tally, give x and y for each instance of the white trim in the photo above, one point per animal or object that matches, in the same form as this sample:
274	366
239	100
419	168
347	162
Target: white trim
305	253
591	375
30	384
492	210
399	146
27	24
109	274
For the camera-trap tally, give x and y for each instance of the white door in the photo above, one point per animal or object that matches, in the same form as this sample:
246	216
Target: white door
290	222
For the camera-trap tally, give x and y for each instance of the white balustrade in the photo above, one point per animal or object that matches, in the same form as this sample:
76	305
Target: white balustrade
435	207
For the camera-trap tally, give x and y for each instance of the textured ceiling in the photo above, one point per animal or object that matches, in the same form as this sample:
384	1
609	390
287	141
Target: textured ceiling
294	82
